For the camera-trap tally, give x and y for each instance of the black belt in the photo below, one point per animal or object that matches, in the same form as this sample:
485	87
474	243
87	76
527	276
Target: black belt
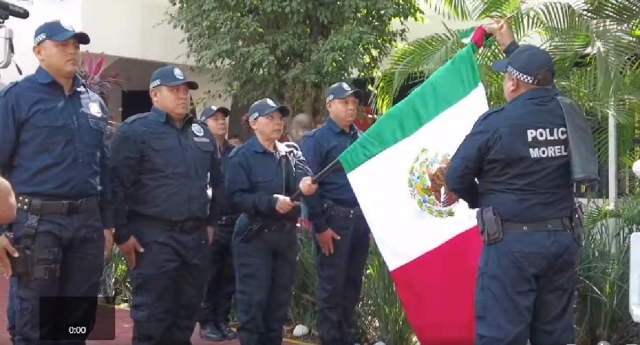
561	224
228	220
189	226
61	207
341	211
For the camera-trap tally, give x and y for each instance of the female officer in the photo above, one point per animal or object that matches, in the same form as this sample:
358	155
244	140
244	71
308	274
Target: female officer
260	177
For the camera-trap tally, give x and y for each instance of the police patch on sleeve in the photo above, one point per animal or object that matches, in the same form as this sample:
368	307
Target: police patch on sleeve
178	73
197	130
94	109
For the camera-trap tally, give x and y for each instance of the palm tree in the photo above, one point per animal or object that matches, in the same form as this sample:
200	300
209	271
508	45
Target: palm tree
599	36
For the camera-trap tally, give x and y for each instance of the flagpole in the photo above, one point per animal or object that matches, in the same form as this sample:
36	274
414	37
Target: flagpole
613	174
321	175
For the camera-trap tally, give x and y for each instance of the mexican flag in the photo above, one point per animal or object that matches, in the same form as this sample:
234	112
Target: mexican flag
396	170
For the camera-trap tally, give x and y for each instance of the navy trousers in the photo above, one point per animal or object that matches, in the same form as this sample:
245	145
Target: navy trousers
74	247
265	274
525	288
340	279
216	306
168	283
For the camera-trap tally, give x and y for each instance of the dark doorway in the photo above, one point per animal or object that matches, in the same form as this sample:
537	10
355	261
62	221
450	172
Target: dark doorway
135	102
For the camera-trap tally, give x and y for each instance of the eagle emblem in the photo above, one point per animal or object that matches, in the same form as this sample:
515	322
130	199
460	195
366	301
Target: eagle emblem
427	184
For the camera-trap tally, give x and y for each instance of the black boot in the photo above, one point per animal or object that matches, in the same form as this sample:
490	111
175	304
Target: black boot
227	331
211	333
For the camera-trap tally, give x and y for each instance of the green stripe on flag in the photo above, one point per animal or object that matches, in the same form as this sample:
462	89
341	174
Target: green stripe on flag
444	88
465	34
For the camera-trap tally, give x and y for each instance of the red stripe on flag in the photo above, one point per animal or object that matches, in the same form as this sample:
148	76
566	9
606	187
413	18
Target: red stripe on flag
478	36
436	291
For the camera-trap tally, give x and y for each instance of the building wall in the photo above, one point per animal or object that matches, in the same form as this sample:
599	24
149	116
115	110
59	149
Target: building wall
125	31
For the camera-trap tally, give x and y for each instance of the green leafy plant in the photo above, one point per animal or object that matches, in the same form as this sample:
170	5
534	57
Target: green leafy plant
602	306
290	50
593	43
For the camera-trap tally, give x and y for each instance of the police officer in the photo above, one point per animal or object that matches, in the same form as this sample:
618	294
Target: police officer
518	154
216	307
161	160
342	234
260	177
53	152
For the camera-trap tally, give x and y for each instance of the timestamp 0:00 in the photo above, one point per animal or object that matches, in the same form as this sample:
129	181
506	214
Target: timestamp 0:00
77	330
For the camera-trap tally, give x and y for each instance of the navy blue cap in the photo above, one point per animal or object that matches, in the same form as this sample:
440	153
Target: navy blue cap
343	90
170	76
209	111
58	31
265	107
526	64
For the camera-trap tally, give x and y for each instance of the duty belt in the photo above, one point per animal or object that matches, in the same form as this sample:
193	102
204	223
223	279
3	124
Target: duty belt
63	207
227	221
189	226
341	211
560	224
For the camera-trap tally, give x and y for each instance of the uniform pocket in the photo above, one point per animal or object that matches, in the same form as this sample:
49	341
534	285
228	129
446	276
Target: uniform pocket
95	135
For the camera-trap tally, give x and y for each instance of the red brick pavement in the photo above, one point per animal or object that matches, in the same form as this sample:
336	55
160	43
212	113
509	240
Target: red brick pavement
124	325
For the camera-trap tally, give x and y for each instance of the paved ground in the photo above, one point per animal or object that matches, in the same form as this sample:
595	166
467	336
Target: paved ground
124	325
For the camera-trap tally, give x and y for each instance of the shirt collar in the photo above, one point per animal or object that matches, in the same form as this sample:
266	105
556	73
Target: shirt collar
161	115
43	77
535	93
337	129
255	145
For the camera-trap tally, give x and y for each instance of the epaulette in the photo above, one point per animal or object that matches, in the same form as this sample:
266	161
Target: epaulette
235	150
7	87
136	117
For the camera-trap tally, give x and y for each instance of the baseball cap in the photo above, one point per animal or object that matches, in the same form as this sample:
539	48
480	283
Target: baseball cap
343	90
265	107
170	76
209	111
58	31
527	64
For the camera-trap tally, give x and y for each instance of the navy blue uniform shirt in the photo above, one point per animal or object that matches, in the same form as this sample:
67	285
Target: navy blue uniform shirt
223	153
320	147
519	155
161	171
53	145
253	175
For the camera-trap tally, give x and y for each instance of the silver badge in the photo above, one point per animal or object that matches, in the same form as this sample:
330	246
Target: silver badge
178	73
94	109
270	102
197	130
346	86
